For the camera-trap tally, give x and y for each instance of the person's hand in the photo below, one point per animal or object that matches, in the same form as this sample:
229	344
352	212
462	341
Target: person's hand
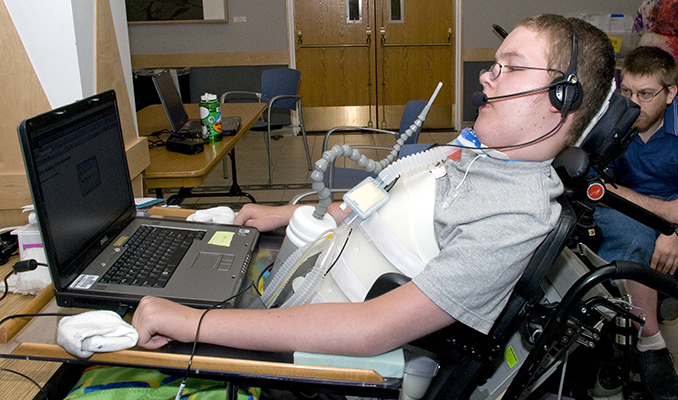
264	218
160	321
665	256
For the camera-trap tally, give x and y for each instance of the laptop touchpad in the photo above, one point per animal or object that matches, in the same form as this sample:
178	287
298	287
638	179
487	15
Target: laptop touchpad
208	260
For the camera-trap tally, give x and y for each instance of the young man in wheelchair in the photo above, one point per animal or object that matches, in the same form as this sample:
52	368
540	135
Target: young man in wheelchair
493	208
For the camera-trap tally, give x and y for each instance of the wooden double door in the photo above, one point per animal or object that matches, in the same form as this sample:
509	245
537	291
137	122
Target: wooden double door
362	60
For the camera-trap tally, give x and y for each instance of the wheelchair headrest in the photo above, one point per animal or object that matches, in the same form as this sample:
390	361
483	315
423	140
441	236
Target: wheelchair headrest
606	141
611	135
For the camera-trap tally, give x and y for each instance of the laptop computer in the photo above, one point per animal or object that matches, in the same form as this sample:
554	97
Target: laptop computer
174	107
79	180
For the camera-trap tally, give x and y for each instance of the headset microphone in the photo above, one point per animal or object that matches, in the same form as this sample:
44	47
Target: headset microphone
479	99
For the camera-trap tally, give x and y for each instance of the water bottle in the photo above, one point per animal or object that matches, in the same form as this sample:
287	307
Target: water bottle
210	113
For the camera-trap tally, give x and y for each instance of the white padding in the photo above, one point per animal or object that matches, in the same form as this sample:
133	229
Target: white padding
348	282
387	244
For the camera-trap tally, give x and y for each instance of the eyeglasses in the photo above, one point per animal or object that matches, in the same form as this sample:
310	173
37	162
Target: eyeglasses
643	95
495	70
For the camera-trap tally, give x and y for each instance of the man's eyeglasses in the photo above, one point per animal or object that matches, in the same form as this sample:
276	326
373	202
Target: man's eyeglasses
643	95
495	70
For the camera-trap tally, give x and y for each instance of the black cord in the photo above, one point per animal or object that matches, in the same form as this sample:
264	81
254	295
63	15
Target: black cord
197	332
6	286
340	253
20	266
2	321
26	316
152	143
26	377
157	141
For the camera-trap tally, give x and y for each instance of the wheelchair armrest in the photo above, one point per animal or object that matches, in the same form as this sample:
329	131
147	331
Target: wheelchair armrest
572	164
386	283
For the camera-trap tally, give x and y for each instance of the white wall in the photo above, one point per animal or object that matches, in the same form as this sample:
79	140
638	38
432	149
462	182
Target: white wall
479	15
264	29
59	36
47	32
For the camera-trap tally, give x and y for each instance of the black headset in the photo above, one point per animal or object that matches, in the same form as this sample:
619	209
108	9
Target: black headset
566	93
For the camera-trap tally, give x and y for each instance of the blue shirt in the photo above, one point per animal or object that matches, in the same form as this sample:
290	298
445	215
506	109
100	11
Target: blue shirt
652	168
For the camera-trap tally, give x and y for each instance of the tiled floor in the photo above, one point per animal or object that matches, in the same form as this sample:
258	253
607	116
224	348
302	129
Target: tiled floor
291	176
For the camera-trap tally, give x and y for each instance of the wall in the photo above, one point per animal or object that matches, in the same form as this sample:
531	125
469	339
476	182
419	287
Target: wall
56	52
260	40
479	15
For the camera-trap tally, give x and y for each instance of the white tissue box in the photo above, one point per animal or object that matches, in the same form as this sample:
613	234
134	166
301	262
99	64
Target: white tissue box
30	242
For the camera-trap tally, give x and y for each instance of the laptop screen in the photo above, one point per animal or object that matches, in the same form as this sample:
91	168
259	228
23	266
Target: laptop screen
79	179
169	96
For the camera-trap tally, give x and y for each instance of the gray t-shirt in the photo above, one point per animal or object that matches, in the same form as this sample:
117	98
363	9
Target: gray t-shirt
487	227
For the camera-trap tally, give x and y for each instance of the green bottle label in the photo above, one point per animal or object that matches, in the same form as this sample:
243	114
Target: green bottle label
210	113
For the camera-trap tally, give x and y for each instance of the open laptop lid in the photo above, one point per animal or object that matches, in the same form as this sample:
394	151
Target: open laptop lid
81	191
170	99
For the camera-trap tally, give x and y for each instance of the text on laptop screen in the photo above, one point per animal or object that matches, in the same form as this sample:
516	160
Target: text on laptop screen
80	174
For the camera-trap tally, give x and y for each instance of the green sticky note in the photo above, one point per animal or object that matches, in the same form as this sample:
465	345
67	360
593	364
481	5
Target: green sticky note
222	239
511	357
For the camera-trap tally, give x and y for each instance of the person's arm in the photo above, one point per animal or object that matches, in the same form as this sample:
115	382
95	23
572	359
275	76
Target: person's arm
665	209
357	329
665	256
267	218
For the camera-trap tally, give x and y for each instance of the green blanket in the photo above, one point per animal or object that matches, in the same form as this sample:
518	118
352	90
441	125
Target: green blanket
119	383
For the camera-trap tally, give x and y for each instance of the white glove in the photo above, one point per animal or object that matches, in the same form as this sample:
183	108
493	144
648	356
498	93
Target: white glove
95	332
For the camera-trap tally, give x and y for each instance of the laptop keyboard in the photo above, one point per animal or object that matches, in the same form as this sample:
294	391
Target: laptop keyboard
151	257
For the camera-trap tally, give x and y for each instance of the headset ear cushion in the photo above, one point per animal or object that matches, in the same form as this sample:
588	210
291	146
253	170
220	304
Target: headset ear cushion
566	93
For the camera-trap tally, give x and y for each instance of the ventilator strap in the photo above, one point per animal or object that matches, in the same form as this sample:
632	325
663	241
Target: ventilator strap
390	247
348	282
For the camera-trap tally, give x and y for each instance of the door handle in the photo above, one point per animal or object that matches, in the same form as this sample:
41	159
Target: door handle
368	41
382	32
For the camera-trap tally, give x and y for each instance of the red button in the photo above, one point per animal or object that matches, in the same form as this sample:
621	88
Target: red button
595	191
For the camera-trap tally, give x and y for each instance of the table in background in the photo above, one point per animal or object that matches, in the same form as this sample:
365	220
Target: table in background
175	170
